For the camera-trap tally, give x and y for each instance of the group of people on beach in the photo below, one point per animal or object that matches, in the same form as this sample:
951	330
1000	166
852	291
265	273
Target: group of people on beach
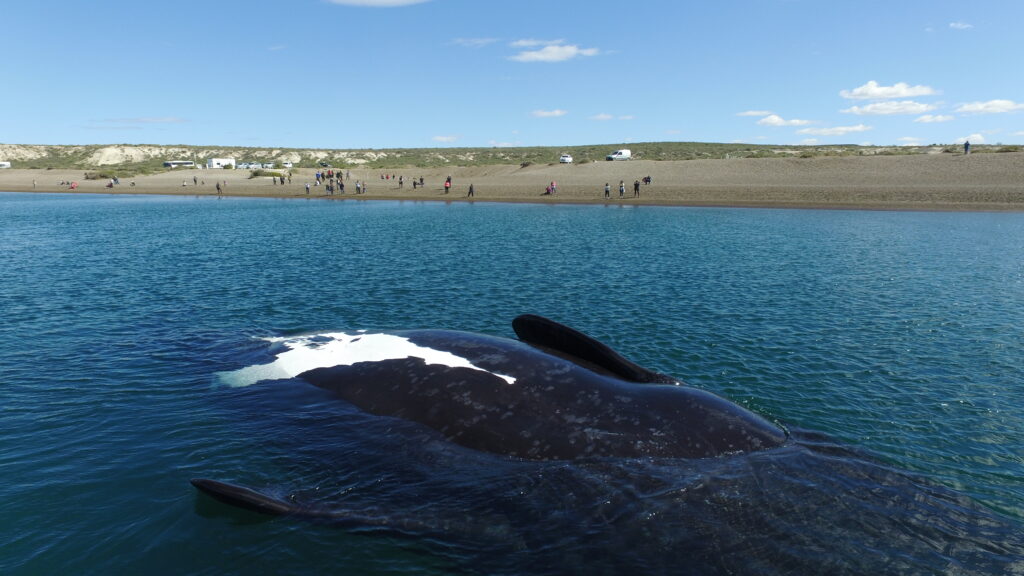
622	187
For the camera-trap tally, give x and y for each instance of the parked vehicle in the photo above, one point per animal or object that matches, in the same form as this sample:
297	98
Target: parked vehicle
619	155
565	159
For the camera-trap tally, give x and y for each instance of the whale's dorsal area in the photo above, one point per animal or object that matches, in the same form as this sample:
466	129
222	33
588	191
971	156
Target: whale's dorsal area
308	352
555	394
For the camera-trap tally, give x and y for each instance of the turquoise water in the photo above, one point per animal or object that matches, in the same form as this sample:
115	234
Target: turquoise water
896	334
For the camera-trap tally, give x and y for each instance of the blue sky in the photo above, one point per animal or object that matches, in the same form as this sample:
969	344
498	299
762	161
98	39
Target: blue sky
440	73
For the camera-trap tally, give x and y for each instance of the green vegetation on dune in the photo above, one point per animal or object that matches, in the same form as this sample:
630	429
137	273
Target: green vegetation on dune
148	159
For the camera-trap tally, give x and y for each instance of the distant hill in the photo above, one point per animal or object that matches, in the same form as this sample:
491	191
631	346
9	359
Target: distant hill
143	158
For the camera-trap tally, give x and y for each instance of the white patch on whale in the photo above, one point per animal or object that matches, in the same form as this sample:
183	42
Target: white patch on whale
304	353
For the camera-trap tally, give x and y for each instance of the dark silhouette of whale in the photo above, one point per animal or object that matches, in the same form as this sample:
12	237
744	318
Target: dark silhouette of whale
554	454
554	394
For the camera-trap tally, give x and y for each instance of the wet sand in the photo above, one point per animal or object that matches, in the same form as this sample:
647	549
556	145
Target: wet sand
978	182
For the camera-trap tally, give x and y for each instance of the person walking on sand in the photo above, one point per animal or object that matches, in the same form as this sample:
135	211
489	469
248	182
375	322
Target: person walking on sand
218	188
447	185
636	188
607	190
470	195
307	188
967	147
622	189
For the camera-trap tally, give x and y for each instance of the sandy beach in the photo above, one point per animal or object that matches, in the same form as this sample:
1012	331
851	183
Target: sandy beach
978	182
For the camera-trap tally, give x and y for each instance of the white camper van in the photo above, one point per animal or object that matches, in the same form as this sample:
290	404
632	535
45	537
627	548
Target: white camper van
220	163
619	155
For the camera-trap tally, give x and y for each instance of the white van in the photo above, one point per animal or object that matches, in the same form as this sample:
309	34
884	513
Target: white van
619	155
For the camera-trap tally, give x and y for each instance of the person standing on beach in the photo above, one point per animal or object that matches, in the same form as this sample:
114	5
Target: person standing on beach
470	195
218	188
967	147
636	188
447	185
307	188
554	187
607	190
622	189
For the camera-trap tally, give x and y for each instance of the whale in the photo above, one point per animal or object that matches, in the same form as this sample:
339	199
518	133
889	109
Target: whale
552	394
552	453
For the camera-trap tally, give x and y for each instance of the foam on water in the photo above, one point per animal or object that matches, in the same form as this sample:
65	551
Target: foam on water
304	353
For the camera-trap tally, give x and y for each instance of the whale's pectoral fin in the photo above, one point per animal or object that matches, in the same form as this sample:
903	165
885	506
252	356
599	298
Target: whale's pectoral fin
542	332
243	497
461	526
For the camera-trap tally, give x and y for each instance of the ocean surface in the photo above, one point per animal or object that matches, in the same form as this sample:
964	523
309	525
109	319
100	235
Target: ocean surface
896	339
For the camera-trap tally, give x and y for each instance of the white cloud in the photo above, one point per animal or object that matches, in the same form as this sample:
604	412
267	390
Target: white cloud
931	119
548	113
776	120
873	91
835	131
532	42
960	26
1021	133
602	117
990	107
445	139
377	3
626	117
909	141
474	42
755	113
973	138
554	53
892	107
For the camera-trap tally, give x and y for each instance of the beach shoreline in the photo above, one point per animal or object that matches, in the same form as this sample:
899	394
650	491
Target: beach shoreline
928	182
